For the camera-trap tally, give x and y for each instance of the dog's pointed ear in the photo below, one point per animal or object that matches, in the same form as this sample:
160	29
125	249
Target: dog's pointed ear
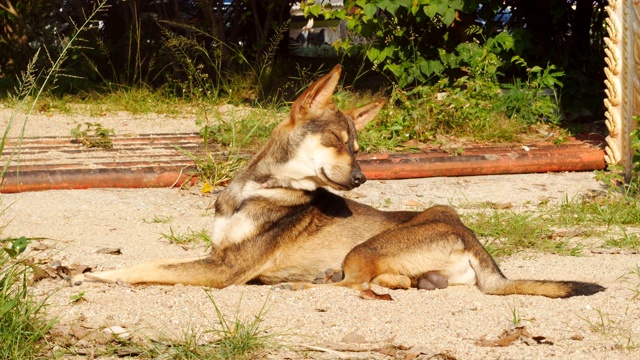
363	115
317	97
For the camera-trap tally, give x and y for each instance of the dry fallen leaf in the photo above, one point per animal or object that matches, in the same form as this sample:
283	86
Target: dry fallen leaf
39	246
566	233
501	206
80	332
77	269
506	338
542	340
414	203
390	352
118	331
416	351
371	295
110	251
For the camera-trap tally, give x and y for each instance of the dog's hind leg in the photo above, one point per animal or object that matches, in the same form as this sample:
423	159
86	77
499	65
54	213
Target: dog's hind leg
400	257
392	281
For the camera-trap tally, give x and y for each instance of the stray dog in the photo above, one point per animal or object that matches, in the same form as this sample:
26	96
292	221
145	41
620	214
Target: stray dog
275	222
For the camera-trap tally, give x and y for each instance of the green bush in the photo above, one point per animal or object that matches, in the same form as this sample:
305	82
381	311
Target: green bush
449	75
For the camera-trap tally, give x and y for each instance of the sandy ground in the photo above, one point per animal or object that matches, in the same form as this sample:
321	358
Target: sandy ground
324	323
451	321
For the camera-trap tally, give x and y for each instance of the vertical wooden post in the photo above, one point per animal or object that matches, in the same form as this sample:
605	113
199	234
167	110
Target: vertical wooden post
623	79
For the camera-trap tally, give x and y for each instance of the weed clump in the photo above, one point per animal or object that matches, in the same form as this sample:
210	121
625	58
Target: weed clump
93	135
23	326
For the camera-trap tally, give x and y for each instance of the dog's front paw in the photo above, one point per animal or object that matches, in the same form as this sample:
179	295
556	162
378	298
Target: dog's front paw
76	280
80	279
329	276
291	286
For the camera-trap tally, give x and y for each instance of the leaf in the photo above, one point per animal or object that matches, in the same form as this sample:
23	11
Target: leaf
414	203
506	338
370	9
395	69
206	188
315	10
455	4
392	7
504	40
429	67
430	10
12	253
417	351
20	244
77	297
109	251
371	295
449	16
442	7
372	54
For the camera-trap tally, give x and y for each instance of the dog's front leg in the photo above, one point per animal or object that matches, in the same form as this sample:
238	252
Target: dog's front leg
194	271
218	270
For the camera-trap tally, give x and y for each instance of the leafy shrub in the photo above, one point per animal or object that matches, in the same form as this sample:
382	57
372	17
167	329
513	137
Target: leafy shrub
473	106
448	74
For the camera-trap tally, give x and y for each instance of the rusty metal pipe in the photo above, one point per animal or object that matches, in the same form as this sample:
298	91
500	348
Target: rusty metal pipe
155	161
142	177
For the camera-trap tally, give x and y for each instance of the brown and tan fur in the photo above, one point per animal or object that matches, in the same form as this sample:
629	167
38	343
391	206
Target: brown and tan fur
275	222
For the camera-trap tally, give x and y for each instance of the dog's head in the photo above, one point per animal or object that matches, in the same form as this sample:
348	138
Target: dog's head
322	140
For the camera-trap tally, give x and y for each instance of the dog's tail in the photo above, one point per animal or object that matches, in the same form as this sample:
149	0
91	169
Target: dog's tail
548	288
490	280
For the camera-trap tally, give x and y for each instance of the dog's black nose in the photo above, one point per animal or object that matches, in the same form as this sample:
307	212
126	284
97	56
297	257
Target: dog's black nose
357	179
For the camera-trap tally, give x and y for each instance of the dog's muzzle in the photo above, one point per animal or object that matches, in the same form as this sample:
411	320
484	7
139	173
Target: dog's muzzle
357	178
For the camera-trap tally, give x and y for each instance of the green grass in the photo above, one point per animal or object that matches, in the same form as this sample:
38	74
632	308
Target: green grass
229	138
187	237
420	117
241	339
134	100
23	322
515	318
159	219
233	338
609	209
238	128
634	282
616	328
508	232
608	218
626	241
